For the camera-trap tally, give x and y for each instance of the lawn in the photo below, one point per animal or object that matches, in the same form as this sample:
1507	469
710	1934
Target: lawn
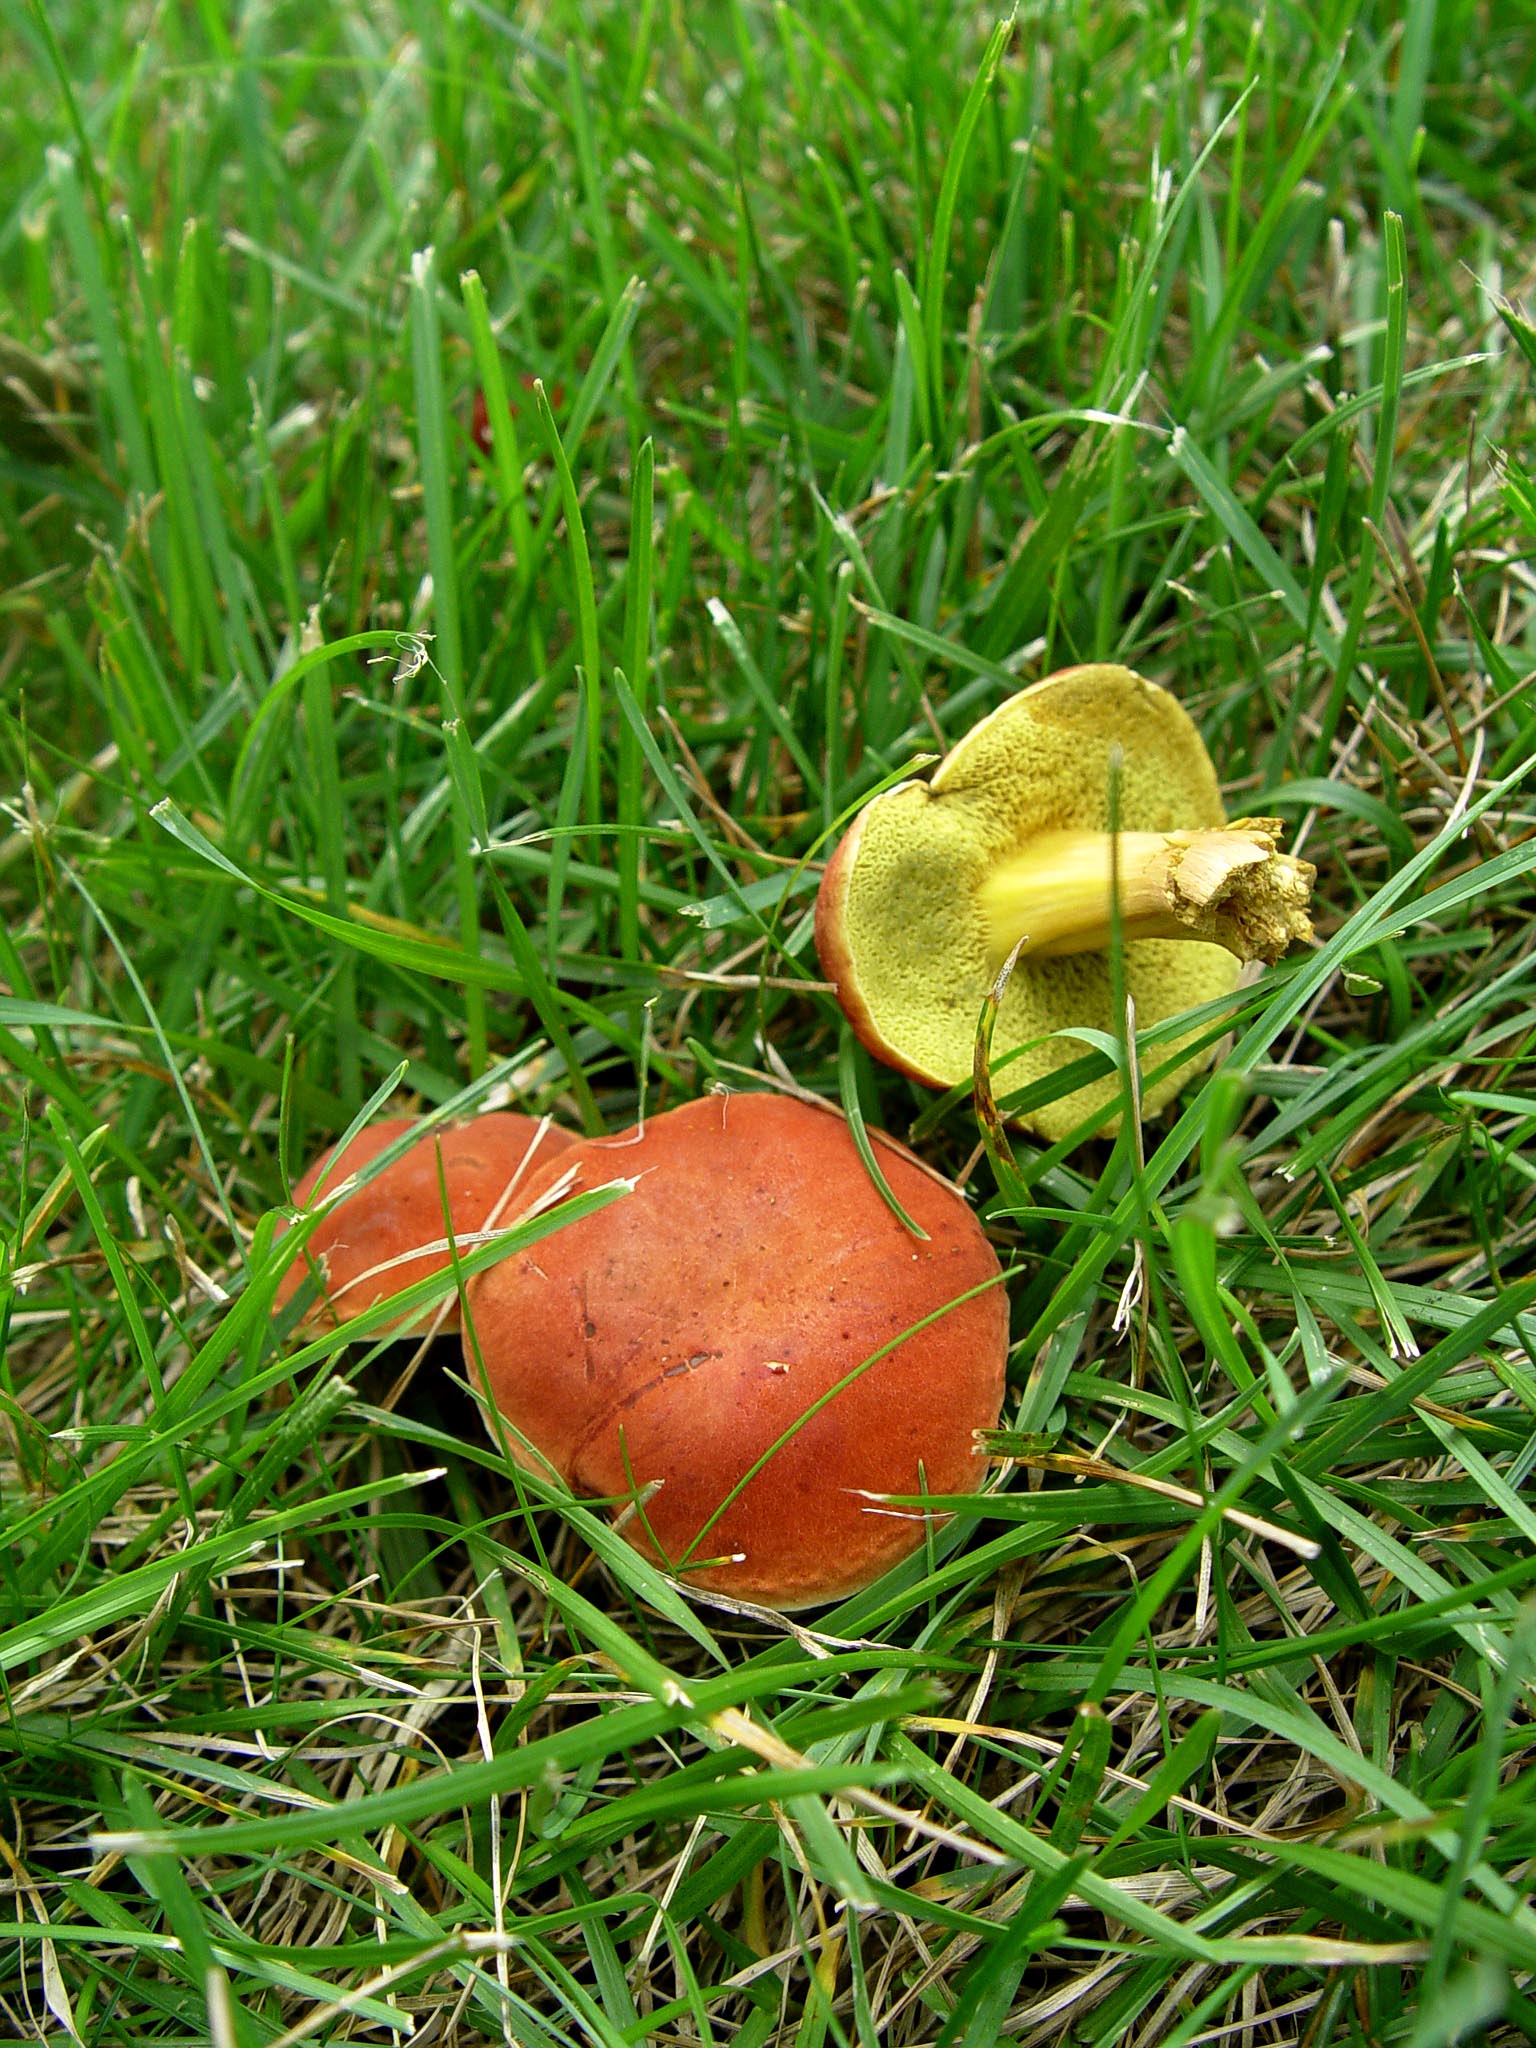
486	493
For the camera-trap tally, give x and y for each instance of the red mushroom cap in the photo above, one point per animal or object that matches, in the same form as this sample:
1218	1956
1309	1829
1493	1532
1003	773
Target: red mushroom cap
367	1248
678	1334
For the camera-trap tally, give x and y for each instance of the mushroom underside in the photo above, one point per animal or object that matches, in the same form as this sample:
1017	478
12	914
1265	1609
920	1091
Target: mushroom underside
904	933
917	942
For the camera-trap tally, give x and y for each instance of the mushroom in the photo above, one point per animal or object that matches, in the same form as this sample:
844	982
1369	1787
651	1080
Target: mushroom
935	883
726	1351
391	1232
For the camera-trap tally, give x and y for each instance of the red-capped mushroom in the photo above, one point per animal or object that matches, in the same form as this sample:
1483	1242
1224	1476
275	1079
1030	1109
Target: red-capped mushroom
741	1332
391	1232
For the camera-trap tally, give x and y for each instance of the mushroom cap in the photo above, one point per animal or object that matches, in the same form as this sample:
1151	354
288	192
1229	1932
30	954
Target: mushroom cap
363	1250
900	929
677	1334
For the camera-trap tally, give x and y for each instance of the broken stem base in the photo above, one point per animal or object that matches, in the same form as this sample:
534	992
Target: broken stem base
1229	885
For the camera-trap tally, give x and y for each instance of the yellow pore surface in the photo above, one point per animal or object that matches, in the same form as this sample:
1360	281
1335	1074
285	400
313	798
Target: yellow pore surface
913	928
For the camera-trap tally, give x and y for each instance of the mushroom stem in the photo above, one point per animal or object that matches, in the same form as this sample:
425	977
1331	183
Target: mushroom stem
1229	885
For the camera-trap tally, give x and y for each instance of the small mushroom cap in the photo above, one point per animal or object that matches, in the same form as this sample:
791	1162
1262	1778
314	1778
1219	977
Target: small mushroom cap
899	925
367	1248
677	1334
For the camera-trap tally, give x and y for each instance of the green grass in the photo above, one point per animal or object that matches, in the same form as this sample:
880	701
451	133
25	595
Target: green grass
860	363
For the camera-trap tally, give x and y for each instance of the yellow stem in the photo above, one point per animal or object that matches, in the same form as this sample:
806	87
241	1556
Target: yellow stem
1227	884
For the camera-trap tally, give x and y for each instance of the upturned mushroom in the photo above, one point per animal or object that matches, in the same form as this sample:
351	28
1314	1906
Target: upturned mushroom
749	1345
391	1231
935	883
